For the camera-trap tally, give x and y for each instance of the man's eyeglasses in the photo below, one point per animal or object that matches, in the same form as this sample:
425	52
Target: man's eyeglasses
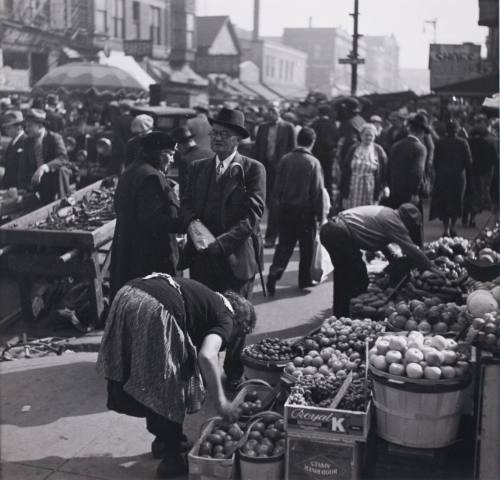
221	134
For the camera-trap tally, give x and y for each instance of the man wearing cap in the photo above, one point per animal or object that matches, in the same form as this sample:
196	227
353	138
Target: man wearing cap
187	152
406	166
370	228
140	127
13	156
274	139
348	114
45	164
225	194
147	217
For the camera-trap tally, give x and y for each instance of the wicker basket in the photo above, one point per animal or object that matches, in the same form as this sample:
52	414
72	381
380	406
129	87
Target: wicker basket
482	270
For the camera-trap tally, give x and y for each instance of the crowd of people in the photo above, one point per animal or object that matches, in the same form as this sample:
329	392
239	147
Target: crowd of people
360	183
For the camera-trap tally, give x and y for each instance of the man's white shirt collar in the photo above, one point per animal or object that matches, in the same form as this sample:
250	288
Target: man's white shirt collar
226	162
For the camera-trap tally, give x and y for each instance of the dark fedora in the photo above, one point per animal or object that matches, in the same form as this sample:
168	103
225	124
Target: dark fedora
182	134
420	121
233	119
350	104
12	117
156	141
36	115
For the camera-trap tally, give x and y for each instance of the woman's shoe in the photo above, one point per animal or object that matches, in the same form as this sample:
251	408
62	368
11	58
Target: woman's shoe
173	465
159	449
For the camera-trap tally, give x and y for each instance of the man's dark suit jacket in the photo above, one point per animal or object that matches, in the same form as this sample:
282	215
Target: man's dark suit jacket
243	206
285	142
13	157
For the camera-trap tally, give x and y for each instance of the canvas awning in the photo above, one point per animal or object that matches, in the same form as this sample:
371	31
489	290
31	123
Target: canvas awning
163	72
484	86
128	64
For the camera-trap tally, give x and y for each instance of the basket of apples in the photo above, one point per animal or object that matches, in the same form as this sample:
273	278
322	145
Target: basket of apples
262	453
254	396
213	454
413	358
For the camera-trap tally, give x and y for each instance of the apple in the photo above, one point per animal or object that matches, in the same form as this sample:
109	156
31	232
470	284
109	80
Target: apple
382	347
449	357
414	370
414	355
298	361
451	344
438	342
398	343
393	356
397	369
379	362
434	357
411	325
448	372
432	373
425	327
416	336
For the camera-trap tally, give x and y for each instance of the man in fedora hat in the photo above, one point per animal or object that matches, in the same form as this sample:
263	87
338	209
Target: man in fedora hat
13	156
370	228
187	152
45	165
226	194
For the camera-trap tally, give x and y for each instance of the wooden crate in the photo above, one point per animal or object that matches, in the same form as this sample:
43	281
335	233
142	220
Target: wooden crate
328	424
21	232
318	459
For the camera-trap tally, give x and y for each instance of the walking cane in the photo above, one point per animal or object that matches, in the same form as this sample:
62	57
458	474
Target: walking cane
259	266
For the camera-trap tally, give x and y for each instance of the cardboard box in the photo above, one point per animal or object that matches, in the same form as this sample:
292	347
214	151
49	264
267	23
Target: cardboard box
328	424
310	459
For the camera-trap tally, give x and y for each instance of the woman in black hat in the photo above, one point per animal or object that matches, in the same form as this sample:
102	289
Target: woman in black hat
147	215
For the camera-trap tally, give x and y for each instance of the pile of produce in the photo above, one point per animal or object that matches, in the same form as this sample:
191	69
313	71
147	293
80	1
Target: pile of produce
485	331
222	441
483	306
427	316
90	213
317	391
266	438
454	248
251	405
429	283
344	334
270	350
416	357
371	304
485	246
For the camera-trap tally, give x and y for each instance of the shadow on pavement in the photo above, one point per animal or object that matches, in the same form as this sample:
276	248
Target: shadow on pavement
69	390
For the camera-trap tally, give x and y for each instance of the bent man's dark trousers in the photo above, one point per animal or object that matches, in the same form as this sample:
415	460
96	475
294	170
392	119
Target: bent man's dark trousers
296	224
350	277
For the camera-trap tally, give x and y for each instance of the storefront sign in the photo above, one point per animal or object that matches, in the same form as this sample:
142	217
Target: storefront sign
451	64
488	13
138	48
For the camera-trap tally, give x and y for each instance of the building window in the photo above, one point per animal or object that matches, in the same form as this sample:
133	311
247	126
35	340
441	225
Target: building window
280	75
136	19
287	70
118	20
317	51
292	67
101	16
155	25
190	31
272	70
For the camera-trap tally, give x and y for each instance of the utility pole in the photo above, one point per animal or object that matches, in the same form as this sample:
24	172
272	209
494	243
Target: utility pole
354	53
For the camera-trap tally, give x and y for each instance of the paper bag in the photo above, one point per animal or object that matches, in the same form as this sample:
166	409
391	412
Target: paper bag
321	263
200	235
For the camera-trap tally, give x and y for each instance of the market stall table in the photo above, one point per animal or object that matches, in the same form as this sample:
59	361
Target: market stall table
36	249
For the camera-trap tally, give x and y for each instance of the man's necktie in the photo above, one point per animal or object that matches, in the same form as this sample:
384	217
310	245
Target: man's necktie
219	170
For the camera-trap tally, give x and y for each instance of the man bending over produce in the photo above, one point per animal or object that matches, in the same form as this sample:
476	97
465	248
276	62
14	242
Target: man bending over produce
371	228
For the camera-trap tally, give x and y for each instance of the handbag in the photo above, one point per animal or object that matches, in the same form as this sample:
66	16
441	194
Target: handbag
321	265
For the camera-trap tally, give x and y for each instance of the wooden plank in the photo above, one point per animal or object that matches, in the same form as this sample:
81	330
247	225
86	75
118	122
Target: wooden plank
50	265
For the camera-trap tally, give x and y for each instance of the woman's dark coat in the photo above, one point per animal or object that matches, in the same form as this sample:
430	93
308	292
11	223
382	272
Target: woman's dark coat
147	220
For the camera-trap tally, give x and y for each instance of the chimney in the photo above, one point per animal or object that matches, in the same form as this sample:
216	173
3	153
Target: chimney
256	17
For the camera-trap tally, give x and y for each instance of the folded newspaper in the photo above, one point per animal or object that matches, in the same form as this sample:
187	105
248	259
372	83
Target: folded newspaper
200	235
